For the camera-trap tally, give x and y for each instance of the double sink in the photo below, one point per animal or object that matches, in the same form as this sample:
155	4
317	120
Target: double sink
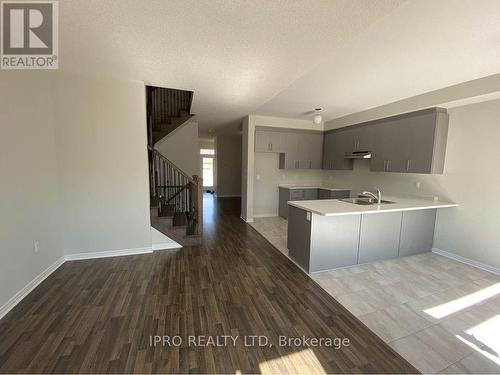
365	201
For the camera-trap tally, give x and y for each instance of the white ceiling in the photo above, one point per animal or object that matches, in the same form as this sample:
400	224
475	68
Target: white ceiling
283	58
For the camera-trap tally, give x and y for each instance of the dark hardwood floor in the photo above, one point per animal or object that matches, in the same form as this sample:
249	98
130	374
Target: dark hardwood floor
97	316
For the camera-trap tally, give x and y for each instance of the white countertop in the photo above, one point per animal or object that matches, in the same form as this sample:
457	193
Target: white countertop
299	187
334	207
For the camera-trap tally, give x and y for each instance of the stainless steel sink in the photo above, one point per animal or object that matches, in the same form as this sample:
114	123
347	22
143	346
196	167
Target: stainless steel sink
365	201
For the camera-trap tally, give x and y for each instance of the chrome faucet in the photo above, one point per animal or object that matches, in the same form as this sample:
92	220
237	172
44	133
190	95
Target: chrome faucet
378	197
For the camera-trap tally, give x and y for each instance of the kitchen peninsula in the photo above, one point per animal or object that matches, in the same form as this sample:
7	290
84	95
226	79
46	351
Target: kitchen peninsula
334	233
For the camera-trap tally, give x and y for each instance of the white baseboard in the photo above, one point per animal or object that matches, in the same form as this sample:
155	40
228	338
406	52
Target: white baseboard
18	297
110	253
166	246
161	241
246	220
470	262
265	215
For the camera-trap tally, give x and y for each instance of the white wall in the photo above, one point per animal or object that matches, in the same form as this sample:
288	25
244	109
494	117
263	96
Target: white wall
474	91
471	178
181	147
29	194
228	157
101	142
248	157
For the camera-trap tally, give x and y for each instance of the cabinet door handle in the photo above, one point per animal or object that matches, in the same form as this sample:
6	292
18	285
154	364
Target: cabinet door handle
271	146
388	165
408	165
385	165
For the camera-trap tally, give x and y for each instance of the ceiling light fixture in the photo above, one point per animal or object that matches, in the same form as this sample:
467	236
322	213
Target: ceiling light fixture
317	118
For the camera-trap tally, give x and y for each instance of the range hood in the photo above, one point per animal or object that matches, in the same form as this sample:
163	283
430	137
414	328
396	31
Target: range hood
358	155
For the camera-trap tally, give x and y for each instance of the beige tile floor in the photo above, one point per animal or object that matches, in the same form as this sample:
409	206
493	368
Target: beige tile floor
441	315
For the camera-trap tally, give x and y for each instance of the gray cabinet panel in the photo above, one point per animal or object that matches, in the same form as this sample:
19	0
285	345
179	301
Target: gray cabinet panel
379	236
334	241
299	237
335	145
269	141
328	147
262	141
342	143
301	151
284	197
310	194
315	151
419	143
277	141
417	232
339	194
333	194
324	194
388	147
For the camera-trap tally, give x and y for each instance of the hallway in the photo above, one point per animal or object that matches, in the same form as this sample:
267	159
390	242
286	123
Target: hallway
99	315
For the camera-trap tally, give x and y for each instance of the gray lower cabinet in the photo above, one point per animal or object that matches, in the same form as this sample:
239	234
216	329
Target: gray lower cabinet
299	236
319	243
334	242
417	232
333	194
379	236
286	195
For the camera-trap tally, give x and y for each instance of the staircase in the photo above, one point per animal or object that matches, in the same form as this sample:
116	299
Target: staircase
176	202
176	198
167	110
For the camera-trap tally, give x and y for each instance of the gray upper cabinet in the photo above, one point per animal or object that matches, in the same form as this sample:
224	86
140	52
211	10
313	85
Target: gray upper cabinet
409	143
302	150
387	150
414	143
269	141
328	145
361	138
314	151
335	145
262	141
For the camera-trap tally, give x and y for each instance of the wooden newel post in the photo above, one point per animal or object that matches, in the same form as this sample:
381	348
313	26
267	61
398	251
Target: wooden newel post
198	202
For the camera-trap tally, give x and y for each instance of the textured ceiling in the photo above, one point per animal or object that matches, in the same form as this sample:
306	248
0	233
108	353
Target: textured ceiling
283	58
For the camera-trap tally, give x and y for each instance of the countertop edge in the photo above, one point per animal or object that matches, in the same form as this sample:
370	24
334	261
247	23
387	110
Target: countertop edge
314	187
430	207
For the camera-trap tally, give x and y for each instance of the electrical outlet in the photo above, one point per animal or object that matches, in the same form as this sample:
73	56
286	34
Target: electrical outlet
36	246
417	184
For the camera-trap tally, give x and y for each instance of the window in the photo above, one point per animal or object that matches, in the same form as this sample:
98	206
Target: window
208	171
207	151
